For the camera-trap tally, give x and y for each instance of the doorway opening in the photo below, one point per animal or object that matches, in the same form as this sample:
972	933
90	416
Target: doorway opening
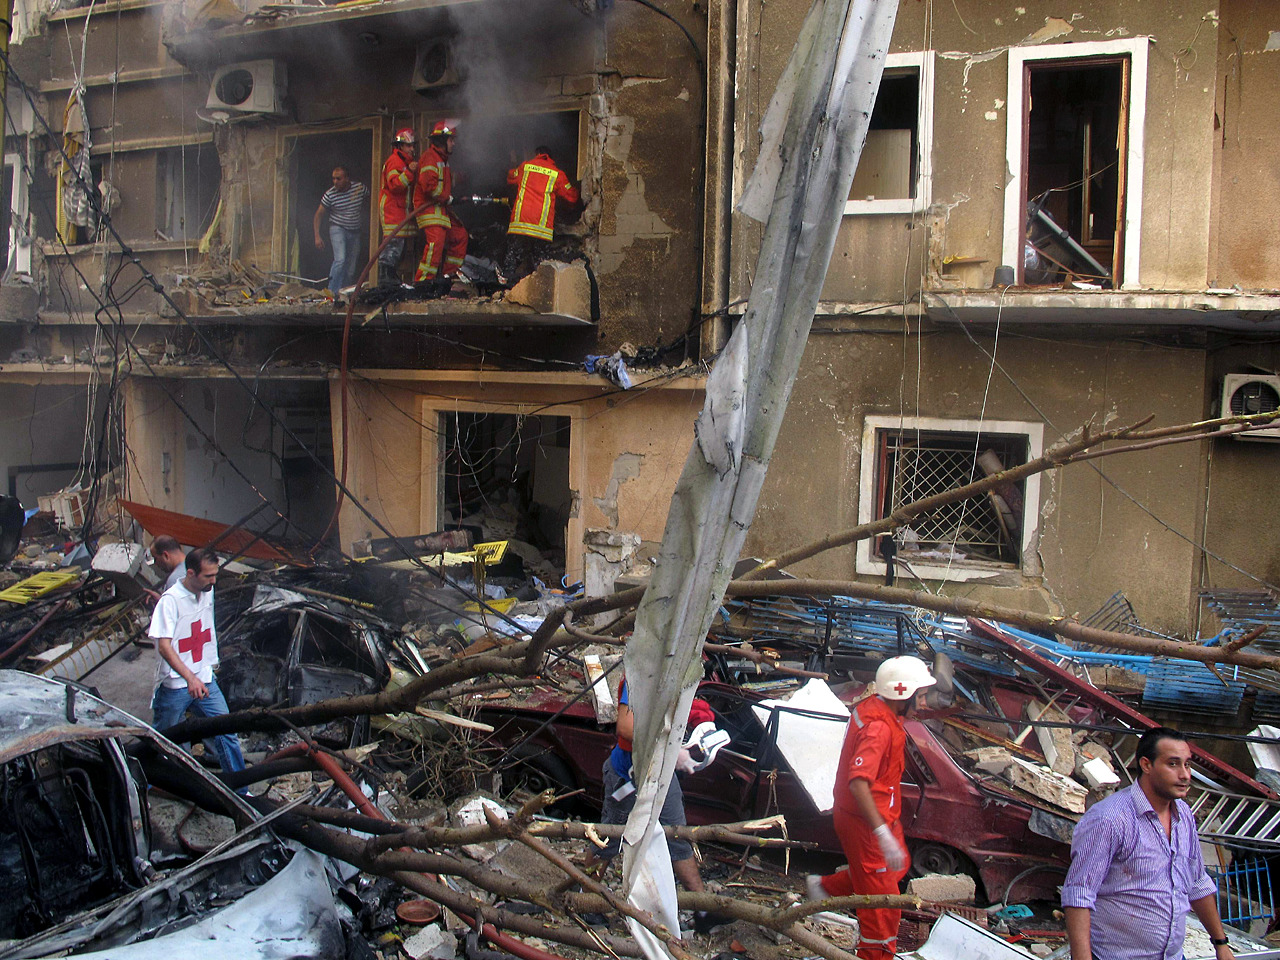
312	158
1075	148
506	477
493	145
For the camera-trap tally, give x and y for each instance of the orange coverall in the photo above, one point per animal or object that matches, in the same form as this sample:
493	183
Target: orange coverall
395	194
538	182
445	236
874	749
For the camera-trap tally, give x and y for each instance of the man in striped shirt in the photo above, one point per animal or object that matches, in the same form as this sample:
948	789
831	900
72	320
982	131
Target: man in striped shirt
344	202
1136	868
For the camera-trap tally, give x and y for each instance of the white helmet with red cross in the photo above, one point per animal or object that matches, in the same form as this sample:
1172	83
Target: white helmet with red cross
898	678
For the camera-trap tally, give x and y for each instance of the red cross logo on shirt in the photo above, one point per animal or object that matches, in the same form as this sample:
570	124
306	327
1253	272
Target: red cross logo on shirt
899	688
194	644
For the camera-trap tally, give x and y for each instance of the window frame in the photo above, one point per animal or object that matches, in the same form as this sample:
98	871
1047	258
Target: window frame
959	570
1136	49
923	62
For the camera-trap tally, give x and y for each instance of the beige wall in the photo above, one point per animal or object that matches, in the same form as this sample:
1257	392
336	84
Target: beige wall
1247	141
626	449
879	257
1093	540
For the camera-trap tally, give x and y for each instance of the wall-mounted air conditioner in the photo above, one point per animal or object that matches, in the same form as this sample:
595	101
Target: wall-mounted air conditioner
255	86
1248	393
434	66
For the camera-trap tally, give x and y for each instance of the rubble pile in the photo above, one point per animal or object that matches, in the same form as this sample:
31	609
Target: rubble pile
472	769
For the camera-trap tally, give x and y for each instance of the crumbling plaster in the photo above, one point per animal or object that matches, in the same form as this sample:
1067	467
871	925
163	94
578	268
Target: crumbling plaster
1093	541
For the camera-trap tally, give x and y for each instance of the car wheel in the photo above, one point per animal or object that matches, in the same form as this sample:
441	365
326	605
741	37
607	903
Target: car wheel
936	858
939	858
535	769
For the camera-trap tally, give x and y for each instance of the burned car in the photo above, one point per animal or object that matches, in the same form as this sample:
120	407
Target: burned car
953	822
290	648
115	842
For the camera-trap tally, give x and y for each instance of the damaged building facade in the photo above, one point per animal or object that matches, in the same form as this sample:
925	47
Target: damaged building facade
1111	157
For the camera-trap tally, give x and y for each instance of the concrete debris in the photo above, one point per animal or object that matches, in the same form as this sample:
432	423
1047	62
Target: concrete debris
431	941
1048	785
1055	742
1099	775
944	888
990	759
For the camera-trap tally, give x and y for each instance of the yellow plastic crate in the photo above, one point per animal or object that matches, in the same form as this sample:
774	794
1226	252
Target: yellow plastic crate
34	587
502	606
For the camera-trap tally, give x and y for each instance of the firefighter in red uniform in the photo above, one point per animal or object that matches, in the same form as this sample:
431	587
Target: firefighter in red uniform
539	183
444	235
394	202
868	802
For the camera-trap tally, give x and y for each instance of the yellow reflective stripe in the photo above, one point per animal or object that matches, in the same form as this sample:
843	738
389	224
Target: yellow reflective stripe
530	230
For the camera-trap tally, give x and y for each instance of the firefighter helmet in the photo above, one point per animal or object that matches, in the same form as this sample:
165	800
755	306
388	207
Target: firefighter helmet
444	128
898	678
406	137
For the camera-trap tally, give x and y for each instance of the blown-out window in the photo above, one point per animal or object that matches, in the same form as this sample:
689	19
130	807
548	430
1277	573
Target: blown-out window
909	459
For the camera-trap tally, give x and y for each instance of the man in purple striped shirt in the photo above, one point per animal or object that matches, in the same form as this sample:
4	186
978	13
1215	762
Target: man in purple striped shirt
1136	868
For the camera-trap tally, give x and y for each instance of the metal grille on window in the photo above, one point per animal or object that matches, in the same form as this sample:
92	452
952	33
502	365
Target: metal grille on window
915	465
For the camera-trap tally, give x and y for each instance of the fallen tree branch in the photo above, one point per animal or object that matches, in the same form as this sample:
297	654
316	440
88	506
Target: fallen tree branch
515	829
1061	454
388	835
964	607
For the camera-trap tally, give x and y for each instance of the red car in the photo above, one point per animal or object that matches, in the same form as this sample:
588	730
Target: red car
953	822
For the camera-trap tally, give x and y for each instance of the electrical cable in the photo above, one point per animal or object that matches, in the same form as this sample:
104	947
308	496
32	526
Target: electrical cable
128	254
1119	489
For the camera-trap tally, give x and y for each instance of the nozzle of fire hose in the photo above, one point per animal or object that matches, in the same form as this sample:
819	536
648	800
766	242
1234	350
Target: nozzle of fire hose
482	198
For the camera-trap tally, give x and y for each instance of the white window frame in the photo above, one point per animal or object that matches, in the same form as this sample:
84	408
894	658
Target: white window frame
960	570
1135	48
922	61
19	250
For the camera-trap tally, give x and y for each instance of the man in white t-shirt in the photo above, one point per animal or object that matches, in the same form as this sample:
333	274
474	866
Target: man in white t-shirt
187	644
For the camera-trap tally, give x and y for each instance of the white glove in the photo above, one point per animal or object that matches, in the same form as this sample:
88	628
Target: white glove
894	856
684	763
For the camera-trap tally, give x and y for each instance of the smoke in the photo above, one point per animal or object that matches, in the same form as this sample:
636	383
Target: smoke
520	61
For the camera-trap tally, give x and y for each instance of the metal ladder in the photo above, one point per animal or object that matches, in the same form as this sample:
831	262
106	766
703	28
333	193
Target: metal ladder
1252	822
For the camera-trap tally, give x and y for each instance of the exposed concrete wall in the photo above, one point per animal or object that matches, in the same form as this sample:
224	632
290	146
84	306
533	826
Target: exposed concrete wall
1093	541
626	450
1247	140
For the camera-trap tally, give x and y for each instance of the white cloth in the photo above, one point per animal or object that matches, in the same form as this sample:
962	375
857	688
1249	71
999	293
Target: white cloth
187	620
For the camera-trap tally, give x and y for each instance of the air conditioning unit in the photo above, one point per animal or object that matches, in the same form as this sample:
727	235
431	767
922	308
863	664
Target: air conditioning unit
434	66
255	86
1247	393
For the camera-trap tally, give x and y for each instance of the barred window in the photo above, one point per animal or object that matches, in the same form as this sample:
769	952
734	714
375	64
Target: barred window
911	464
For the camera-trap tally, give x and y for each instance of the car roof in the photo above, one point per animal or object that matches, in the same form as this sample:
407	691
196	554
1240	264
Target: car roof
34	714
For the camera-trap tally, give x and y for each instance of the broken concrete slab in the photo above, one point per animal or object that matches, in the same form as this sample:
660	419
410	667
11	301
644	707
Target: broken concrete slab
1059	750
1099	775
1048	785
990	759
555	288
944	888
431	941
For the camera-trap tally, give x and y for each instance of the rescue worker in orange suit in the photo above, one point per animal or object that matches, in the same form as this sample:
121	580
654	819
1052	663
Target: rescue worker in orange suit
868	802
395	200
539	183
444	236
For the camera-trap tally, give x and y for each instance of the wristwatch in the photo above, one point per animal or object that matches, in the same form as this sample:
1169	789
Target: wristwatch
1219	941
